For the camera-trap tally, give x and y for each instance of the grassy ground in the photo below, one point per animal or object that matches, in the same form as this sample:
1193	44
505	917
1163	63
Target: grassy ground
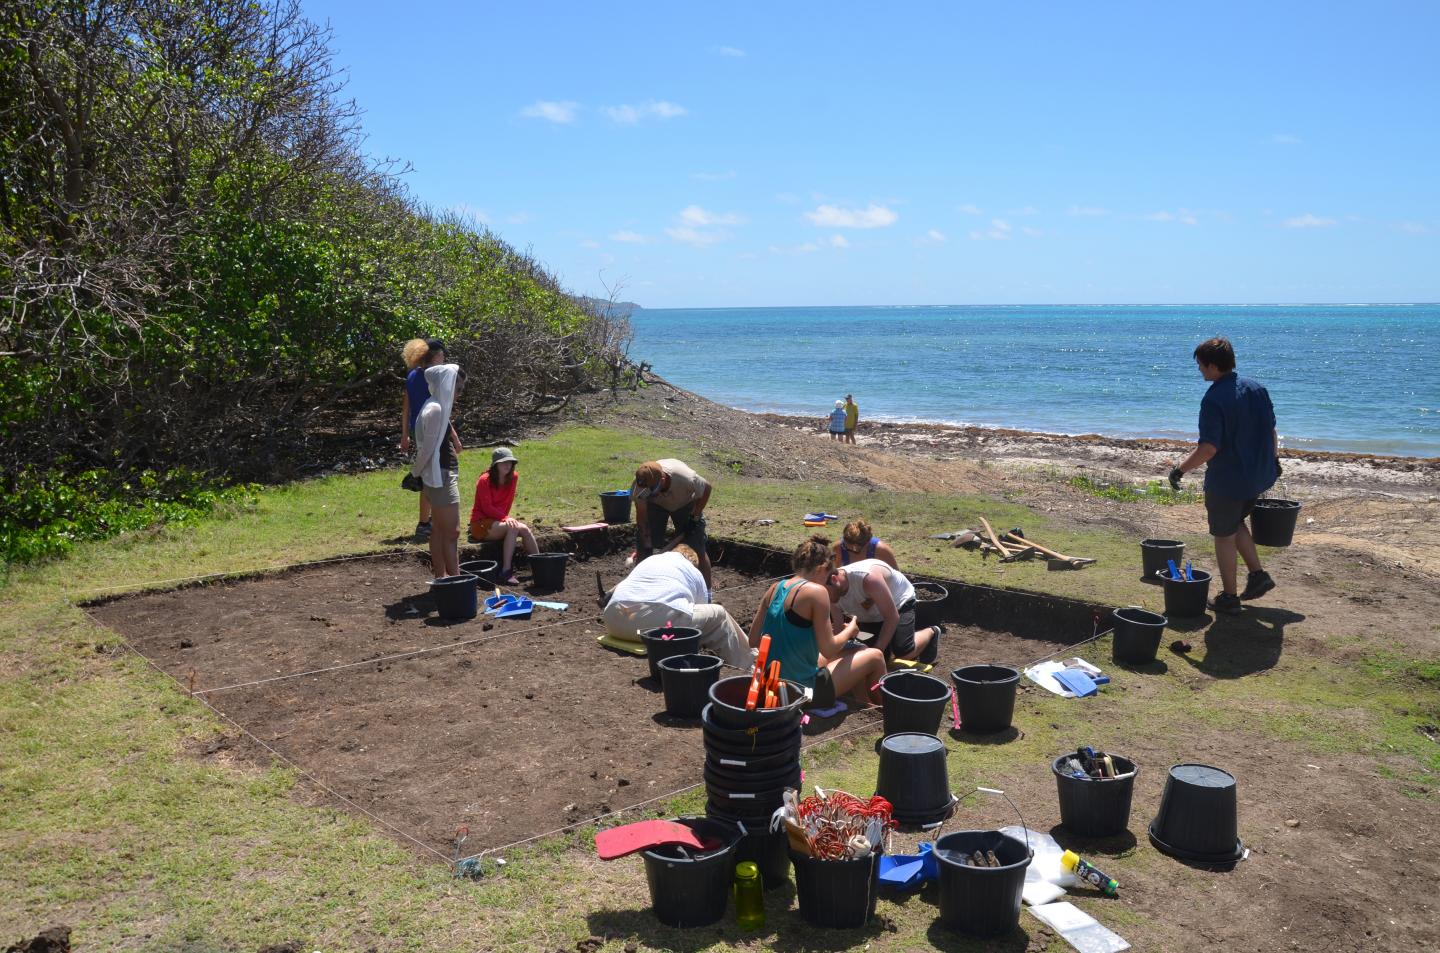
111	823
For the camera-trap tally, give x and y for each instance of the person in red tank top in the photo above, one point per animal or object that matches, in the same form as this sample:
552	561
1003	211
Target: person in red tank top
490	517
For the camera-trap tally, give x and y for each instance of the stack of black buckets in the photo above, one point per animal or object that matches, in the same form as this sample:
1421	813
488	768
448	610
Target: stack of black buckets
751	757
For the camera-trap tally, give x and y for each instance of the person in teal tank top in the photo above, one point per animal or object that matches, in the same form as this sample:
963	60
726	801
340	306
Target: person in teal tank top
795	613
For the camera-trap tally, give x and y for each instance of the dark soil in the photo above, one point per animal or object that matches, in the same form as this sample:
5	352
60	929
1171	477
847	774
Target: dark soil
512	727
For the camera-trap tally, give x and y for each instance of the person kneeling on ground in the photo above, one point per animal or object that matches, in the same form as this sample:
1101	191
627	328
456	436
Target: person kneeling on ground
669	491
860	542
490	517
883	602
795	613
438	466
668	587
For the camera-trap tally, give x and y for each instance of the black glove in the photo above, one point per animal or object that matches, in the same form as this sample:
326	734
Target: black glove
1175	477
1278	468
411	482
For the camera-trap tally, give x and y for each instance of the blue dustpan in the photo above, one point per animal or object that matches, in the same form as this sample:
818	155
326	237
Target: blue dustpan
496	603
519	608
905	871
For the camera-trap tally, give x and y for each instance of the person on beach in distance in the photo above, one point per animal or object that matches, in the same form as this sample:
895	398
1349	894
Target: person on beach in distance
668	588
796	614
420	353
882	600
1240	449
837	421
852	418
667	491
437	464
860	542
490	516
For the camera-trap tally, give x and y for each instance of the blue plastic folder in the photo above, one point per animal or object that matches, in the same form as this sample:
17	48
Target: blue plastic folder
1076	681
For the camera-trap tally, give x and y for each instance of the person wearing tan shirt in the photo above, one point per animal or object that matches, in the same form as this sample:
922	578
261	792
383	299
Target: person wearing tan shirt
665	492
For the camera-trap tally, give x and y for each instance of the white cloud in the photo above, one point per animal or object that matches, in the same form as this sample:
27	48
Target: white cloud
1088	211
695	216
1309	221
561	112
1183	216
1414	228
804	249
787	198
628	115
1286	139
734	51
872	216
998	231
933	237
839	241
1032	232
713	176
1027	210
625	235
968	209
693	236
589	243
517	218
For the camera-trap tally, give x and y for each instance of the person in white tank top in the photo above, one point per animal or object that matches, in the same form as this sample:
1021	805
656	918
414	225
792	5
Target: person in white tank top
882	600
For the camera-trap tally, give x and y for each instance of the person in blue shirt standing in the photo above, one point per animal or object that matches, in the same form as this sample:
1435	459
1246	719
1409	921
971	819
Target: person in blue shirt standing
1241	450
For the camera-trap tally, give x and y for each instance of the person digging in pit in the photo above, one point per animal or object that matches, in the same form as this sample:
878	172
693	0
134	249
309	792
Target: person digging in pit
665	492
1240	450
796	614
668	588
882	601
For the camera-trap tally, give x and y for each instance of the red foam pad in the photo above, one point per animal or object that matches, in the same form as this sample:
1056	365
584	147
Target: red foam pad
629	838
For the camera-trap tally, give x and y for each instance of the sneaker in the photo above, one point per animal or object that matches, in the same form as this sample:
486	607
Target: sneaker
1226	602
1257	584
422	530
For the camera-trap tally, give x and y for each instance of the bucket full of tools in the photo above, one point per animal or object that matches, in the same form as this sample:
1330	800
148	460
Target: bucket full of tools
836	840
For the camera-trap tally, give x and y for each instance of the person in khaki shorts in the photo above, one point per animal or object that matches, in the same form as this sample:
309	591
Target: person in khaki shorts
668	587
438	466
667	491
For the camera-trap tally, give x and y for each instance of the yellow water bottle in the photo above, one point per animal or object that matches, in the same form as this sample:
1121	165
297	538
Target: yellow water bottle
749	896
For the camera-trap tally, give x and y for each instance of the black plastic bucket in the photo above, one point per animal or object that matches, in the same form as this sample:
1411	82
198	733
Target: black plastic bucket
548	571
687	890
720	778
754	814
728	705
1183	598
1197	817
1155	555
682	641
1137	634
455	596
616	506
914	702
836	893
981	901
771	852
985	695
1095	807
913	777
686	680
930	599
766	738
728	760
759	745
482	569
1272	522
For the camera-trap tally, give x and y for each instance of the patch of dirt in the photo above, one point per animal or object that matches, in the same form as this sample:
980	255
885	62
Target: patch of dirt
511	727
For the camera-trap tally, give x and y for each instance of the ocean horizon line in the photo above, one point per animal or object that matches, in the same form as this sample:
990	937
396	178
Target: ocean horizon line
1069	304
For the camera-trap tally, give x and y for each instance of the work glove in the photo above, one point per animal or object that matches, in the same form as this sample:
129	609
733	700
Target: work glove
1175	477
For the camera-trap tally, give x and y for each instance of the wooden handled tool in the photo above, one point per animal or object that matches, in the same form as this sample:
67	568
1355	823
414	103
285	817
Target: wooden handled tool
1075	562
994	540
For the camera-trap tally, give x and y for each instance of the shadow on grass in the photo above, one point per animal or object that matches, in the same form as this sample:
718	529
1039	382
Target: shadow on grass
1240	645
1156	667
1003	737
1115	846
942	937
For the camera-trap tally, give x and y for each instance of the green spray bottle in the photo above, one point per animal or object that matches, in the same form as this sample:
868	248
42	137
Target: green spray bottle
1089	873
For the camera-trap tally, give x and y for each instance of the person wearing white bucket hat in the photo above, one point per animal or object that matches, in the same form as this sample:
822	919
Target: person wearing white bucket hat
837	421
490	516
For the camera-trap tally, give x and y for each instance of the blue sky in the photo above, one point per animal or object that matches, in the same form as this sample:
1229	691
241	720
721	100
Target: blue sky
752	154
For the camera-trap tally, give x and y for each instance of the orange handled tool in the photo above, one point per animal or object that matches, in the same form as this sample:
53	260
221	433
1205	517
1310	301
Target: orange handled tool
752	698
772	685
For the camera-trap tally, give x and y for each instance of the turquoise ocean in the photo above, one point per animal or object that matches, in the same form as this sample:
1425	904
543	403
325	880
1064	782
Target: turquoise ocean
1363	378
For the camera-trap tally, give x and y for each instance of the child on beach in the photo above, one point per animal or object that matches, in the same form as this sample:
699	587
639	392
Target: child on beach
490	516
420	353
837	421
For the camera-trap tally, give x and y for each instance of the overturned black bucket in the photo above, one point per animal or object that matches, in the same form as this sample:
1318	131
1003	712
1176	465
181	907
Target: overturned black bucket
1155	555
455	597
1197	818
690	888
1272	522
616	506
482	569
913	777
839	894
981	901
930	598
548	571
1137	635
1185	598
913	701
985	695
686	680
1095	807
665	642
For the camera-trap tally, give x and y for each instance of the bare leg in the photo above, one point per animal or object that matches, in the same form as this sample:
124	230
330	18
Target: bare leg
922	639
1245	543
855	671
1225	560
705	565
445	540
527	539
424	509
